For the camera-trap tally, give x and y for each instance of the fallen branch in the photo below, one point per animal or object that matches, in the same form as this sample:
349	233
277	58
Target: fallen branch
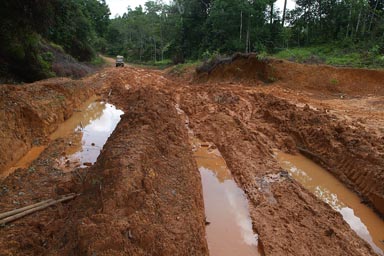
43	205
13	212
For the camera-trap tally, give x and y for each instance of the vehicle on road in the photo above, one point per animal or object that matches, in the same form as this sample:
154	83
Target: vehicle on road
119	61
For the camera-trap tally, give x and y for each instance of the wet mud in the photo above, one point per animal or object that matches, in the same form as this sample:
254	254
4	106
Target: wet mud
363	220
94	125
31	112
144	194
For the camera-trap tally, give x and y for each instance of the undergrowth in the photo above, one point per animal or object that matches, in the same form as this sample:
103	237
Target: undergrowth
335	55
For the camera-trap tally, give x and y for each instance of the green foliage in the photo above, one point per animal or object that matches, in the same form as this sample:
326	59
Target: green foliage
331	54
334	81
97	61
76	26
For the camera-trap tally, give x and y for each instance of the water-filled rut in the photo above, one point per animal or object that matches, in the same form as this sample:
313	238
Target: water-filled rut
85	132
229	226
363	220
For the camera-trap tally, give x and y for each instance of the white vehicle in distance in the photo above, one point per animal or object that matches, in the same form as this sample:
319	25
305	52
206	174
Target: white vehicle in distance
119	61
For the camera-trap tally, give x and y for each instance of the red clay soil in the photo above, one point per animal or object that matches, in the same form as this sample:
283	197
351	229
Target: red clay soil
348	150
148	184
143	196
29	113
252	70
289	219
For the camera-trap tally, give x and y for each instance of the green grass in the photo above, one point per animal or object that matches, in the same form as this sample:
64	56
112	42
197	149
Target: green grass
180	68
97	61
334	55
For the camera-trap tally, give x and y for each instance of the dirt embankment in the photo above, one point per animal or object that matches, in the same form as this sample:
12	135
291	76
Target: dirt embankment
29	113
251	70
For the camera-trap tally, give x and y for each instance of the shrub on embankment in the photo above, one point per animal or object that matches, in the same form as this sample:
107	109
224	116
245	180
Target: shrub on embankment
26	27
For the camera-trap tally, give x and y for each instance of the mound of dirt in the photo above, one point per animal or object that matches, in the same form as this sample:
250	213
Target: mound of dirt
238	68
29	113
248	68
322	78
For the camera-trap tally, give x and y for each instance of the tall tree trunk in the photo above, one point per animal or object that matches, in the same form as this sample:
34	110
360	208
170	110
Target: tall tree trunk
154	40
319	13
161	39
271	13
349	21
247	39
373	14
241	24
285	8
358	22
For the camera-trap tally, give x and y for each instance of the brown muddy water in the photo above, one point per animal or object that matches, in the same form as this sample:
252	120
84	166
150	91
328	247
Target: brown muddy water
226	206
229	225
325	186
86	131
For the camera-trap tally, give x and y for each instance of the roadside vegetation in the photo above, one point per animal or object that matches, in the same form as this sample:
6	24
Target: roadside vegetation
36	34
342	33
335	55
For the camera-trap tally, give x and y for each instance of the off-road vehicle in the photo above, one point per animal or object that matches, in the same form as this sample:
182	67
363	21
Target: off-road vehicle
119	61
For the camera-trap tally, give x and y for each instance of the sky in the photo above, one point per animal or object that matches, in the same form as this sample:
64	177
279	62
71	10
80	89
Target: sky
118	7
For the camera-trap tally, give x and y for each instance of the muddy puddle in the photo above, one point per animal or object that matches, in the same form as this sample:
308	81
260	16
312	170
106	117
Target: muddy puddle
86	132
325	186
229	226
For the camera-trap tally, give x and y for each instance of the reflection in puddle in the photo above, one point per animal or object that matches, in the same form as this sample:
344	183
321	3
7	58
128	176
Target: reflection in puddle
229	231
325	186
226	208
94	125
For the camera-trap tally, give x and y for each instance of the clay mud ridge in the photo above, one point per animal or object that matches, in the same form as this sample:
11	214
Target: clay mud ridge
143	196
29	113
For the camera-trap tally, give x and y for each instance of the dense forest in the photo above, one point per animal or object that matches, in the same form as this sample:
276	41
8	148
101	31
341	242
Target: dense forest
191	29
31	31
181	30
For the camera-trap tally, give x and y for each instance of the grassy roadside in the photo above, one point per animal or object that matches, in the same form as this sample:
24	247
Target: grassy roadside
335	56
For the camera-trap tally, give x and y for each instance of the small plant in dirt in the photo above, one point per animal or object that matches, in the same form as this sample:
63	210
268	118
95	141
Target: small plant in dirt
61	97
334	81
271	79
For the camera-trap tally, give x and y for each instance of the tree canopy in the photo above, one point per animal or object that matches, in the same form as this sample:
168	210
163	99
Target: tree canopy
180	30
187	29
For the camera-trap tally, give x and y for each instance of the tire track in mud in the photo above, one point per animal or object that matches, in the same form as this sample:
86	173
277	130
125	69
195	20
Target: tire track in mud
144	193
288	218
150	195
352	155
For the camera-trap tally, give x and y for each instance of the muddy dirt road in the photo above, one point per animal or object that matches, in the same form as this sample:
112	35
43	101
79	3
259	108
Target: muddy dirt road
144	194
